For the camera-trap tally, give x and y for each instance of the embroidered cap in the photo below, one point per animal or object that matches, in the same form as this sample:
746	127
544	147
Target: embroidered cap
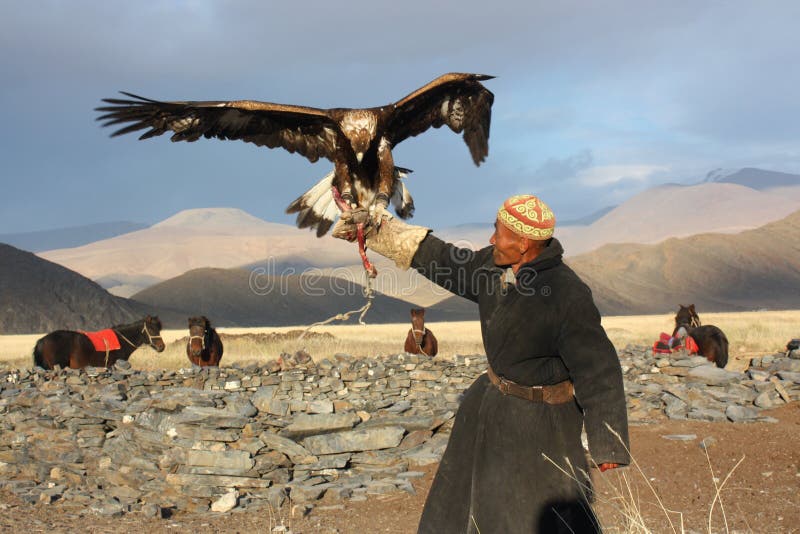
527	216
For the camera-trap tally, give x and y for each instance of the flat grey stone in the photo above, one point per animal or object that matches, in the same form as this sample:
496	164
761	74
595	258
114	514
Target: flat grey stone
262	397
712	375
786	364
320	407
302	493
705	414
694	361
311	424
296	452
198	432
178	479
108	508
764	400
789	376
355	440
680	437
229	459
738	414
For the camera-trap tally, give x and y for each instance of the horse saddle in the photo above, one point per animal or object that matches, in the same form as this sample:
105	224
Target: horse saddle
666	344
103	340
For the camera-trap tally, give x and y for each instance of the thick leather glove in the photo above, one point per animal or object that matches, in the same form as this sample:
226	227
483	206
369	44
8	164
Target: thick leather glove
393	239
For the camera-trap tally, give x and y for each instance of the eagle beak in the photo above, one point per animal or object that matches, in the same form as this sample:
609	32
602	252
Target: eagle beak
360	156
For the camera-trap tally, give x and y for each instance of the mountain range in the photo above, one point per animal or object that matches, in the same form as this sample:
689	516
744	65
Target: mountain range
73	236
672	242
228	237
750	270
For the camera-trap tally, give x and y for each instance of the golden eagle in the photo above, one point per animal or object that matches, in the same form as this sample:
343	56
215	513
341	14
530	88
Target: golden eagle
358	141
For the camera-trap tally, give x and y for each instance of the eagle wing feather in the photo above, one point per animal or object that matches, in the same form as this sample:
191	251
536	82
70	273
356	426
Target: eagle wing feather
308	131
458	100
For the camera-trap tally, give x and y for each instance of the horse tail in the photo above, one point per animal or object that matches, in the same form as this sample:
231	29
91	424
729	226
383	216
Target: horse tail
722	342
38	357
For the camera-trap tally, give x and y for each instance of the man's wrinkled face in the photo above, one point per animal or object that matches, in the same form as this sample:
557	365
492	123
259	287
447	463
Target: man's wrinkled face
507	250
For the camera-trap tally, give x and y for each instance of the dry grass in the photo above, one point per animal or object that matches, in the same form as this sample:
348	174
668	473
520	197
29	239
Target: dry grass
625	511
761	332
749	333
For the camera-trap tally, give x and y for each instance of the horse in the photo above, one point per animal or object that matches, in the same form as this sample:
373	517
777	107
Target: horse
420	340
204	347
69	348
711	341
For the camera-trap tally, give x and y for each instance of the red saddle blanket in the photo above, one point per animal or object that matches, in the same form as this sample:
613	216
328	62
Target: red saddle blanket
103	340
666	344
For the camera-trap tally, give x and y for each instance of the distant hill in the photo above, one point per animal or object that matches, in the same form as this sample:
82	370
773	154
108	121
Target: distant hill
197	238
669	211
586	219
39	296
73	236
125	285
754	269
231	297
453	308
758	179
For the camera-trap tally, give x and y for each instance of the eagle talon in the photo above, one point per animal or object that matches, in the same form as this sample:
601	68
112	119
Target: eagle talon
378	213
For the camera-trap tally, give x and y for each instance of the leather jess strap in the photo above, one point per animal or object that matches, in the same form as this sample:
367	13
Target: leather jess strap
555	394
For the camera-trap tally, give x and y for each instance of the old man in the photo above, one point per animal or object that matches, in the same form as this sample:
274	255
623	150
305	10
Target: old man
514	462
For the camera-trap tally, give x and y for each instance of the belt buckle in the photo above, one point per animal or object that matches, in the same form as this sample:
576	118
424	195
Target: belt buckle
504	385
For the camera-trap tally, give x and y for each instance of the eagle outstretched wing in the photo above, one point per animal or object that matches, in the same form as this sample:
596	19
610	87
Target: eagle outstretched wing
457	100
307	131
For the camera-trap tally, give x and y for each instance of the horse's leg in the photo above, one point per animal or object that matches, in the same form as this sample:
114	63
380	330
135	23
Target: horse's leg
410	345
81	353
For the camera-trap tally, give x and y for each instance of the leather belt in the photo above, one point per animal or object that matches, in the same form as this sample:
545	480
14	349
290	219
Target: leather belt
555	394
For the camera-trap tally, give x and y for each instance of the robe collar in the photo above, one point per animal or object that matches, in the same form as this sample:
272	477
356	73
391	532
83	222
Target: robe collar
549	258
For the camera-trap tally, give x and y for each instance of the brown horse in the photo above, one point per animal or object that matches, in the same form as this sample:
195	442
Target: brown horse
711	341
204	347
68	348
420	340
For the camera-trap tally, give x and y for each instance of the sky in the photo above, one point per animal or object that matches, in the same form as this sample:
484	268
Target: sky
595	101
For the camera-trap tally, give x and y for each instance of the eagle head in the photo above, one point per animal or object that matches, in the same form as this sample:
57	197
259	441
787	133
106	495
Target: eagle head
359	126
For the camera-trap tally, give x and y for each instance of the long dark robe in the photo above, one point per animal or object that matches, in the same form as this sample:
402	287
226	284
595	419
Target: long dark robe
540	329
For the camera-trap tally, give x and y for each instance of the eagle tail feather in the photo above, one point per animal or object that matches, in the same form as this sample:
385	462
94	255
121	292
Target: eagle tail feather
315	208
401	199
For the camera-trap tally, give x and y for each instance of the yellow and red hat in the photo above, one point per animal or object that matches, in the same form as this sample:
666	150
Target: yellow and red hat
528	216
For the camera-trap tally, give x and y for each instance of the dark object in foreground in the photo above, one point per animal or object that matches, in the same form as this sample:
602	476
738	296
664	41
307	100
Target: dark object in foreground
204	347
420	340
68	348
711	341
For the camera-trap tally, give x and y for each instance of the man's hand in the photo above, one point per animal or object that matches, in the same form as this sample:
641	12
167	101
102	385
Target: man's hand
606	466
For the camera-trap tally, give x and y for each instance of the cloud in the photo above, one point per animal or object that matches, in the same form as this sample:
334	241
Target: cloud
658	90
554	169
606	175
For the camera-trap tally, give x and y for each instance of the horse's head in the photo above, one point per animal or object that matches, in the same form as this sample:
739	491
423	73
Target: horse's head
687	316
197	335
418	323
152	329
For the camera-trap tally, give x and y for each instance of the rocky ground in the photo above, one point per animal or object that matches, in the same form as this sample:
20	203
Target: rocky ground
350	445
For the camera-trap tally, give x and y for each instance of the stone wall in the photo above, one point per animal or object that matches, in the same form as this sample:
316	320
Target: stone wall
122	440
